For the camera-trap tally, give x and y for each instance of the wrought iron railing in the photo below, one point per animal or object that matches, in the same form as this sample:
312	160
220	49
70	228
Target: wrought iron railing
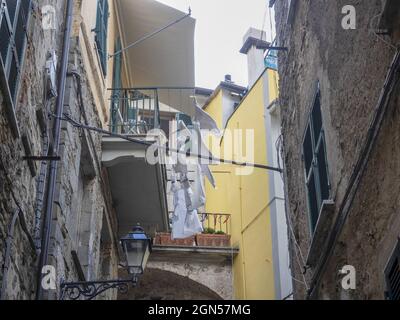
217	233
216	222
138	110
134	111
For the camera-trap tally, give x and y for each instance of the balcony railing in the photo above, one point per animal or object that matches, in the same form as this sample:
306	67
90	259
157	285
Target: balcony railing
134	111
216	222
217	233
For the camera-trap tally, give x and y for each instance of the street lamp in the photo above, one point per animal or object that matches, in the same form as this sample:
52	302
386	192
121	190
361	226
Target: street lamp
136	246
137	249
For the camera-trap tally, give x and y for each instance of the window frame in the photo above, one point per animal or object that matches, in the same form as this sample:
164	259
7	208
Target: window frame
117	84
312	174
393	260
291	11
13	55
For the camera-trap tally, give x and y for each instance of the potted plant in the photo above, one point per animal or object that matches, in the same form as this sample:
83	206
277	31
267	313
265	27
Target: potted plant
165	239
212	238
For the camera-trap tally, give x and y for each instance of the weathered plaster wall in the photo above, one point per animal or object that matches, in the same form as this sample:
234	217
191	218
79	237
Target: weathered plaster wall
350	66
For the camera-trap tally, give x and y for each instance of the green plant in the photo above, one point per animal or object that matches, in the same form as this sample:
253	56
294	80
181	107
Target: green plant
209	231
220	232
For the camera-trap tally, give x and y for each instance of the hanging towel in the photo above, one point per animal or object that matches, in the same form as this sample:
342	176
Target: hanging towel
184	223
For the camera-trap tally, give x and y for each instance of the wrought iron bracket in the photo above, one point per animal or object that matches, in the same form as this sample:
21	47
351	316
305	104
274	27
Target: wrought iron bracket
42	158
91	289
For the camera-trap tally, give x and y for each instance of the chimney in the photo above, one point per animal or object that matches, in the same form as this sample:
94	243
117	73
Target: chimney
254	46
228	78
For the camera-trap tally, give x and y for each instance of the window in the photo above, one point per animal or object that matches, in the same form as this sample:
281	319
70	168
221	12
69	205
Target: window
291	4
390	17
13	23
117	84
314	157
101	33
392	275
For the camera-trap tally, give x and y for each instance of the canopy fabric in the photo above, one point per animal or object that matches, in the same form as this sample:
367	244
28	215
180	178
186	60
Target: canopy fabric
165	60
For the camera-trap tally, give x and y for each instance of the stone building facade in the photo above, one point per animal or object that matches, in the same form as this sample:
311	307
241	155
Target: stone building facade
99	194
344	219
81	243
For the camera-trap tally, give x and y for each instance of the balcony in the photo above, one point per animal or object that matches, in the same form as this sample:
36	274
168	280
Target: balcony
214	244
137	111
138	189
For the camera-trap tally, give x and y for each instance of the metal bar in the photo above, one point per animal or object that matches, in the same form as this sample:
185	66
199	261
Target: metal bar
277	48
48	217
91	289
151	35
154	88
42	158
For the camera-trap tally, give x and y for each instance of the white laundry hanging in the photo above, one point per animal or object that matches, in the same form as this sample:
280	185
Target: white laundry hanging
205	120
185	223
188	198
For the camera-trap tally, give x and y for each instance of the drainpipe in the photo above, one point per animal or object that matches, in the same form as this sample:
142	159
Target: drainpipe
7	259
41	185
54	148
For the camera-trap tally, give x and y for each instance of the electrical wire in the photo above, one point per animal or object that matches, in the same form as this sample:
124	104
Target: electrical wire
212	159
372	29
298	252
263	24
271	24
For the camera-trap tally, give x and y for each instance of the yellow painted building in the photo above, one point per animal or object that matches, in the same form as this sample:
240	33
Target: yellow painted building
253	197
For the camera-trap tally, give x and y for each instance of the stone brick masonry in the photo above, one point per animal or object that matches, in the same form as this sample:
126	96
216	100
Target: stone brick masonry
83	218
351	66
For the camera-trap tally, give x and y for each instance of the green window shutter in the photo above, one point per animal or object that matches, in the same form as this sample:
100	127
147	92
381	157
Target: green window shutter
392	275
315	162
13	33
101	32
117	84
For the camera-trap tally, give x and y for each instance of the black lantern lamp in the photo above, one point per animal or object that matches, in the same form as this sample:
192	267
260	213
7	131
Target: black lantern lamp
136	246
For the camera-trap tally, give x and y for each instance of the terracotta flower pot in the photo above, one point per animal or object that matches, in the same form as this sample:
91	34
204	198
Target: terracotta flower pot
213	240
164	239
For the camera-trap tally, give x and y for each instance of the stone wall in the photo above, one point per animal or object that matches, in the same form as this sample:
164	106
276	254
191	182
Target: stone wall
351	66
83	218
182	277
157	284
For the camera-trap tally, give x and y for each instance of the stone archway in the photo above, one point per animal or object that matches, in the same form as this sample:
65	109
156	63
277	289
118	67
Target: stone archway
158	284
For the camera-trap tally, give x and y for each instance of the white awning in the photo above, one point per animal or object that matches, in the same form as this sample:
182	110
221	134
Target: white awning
165	60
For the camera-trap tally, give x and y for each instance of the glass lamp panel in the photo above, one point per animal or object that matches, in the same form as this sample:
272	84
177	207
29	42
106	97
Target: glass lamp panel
146	255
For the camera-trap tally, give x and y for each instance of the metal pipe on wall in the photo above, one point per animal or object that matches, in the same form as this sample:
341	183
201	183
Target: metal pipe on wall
54	148
7	258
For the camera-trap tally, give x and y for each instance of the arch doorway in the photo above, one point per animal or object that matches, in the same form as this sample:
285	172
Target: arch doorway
158	284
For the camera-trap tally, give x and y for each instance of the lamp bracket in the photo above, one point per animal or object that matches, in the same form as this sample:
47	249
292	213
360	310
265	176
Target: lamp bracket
91	289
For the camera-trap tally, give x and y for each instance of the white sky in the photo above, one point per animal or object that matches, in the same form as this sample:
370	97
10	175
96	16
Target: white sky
220	27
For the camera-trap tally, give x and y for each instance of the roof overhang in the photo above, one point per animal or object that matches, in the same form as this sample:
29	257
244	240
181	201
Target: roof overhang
138	189
252	41
164	60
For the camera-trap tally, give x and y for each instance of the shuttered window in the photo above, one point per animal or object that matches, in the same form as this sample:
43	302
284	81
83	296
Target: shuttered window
392	275
117	84
13	24
101	32
315	164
